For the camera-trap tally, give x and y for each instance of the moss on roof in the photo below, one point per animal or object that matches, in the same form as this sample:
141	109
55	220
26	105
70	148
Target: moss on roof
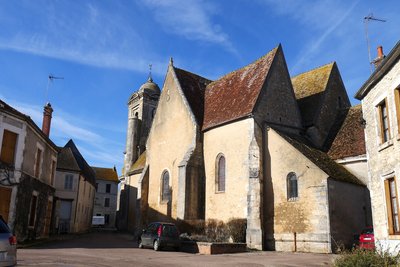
108	174
323	161
312	82
139	163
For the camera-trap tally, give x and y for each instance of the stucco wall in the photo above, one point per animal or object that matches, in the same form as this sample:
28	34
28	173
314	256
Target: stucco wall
307	216
233	141
383	159
172	136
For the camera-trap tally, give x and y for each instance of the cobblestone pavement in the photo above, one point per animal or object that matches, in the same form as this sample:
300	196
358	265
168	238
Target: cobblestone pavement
116	249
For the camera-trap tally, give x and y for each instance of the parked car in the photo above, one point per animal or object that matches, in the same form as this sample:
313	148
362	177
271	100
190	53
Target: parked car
367	239
160	235
8	245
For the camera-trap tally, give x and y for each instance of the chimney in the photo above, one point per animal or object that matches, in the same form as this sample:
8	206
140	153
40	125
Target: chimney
47	111
377	61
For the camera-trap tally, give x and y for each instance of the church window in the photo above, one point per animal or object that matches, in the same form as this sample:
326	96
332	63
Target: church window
220	179
165	186
292	189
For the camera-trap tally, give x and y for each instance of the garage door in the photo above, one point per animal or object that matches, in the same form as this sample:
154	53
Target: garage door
5	198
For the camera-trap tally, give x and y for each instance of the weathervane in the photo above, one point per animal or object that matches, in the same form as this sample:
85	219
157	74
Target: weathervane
366	20
51	78
150	77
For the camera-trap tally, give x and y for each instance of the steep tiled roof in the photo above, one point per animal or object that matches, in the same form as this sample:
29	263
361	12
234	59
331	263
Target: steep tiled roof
350	140
193	87
234	95
139	163
108	174
323	161
311	82
70	158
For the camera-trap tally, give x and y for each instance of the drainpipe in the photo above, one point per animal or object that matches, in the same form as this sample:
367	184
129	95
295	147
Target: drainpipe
295	241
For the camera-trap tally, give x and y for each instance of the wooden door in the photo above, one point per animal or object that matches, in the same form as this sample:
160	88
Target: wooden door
5	198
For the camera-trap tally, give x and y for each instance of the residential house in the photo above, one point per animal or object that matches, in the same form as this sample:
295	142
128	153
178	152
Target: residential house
75	185
248	146
28	161
380	98
105	203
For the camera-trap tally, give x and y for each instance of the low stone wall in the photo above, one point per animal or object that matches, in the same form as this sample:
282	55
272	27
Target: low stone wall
212	248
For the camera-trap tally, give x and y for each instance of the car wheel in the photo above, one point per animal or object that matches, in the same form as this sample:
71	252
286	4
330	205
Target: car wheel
140	243
156	245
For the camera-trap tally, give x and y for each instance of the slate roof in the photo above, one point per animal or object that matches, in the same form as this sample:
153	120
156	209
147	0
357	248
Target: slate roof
323	161
350	140
107	174
391	59
234	95
4	107
70	158
193	87
139	164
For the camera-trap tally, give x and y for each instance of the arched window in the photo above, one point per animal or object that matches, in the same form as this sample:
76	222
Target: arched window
165	186
220	171
292	190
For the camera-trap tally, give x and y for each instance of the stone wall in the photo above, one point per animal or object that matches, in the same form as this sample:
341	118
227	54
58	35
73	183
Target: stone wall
383	159
99	204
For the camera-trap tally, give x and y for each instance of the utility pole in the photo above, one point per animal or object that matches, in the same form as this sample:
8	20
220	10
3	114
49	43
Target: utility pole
367	19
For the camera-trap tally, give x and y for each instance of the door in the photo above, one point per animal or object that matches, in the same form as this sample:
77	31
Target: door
65	216
5	198
47	219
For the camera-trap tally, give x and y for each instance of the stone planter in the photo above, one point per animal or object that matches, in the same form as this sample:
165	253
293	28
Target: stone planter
208	248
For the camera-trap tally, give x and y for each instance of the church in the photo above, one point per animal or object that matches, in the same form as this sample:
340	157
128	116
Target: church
255	144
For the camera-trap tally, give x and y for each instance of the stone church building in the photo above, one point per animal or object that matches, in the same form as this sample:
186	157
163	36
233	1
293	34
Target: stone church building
252	145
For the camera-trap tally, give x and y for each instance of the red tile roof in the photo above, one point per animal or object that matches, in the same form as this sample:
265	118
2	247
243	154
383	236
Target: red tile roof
193	87
350	140
234	95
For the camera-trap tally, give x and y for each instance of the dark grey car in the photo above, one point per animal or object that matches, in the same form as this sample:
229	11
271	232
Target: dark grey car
160	235
8	245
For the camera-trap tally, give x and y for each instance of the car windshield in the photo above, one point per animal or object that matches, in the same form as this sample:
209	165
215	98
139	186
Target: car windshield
367	231
3	227
170	230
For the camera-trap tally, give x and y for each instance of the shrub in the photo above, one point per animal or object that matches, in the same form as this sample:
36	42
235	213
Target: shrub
216	231
237	229
365	258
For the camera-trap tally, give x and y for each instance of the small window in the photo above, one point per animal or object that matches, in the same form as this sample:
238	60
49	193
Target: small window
220	179
108	188
106	202
292	190
38	162
397	103
165	196
68	181
8	148
392	206
384	121
32	214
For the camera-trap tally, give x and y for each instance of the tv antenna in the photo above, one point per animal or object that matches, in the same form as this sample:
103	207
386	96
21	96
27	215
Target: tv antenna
51	78
367	19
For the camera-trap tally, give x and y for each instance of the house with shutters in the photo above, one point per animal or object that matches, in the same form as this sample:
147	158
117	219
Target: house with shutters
75	185
380	99
28	160
251	145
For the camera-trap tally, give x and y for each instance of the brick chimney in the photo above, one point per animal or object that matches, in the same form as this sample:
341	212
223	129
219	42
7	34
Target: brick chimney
377	61
47	111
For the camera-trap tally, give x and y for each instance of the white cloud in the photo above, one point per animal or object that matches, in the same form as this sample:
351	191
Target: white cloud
85	34
191	19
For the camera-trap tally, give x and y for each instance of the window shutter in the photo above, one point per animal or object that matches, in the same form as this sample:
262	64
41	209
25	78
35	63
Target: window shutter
389	207
8	146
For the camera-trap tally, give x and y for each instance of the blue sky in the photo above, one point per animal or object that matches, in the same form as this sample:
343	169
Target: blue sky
102	49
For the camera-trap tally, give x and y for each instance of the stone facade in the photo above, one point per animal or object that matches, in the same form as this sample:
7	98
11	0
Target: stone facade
230	145
383	156
26	187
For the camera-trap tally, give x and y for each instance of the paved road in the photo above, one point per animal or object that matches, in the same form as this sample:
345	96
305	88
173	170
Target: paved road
115	249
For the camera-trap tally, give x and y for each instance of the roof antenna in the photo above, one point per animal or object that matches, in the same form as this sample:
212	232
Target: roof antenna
50	81
366	21
150	79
